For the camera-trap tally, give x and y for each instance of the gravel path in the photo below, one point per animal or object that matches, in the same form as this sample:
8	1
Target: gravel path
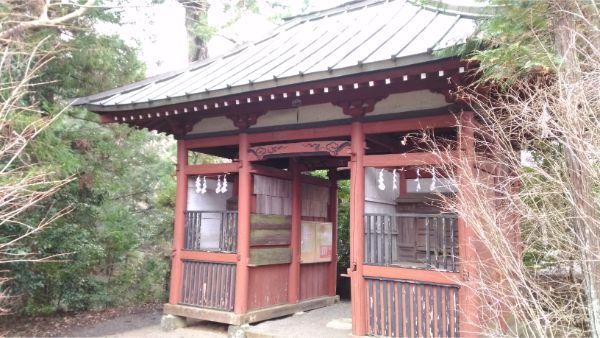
328	322
147	325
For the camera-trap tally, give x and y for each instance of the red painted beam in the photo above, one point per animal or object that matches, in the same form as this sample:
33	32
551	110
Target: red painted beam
409	159
403	185
427	276
180	207
357	204
300	134
215	168
211	142
294	272
243	244
272	172
468	301
208	256
412	124
332	215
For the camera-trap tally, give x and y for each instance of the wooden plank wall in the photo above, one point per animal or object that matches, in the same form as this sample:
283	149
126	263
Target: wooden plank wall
270	239
273	195
270	254
314	277
268	286
315	202
313	280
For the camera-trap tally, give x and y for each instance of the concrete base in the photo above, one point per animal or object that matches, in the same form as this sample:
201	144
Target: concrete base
251	316
171	322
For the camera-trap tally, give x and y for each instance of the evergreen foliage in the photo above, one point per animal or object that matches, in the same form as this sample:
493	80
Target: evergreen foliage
113	247
513	42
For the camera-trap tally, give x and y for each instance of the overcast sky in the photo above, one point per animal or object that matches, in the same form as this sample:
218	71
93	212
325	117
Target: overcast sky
159	29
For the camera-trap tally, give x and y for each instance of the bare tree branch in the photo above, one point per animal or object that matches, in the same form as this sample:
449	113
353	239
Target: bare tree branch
44	21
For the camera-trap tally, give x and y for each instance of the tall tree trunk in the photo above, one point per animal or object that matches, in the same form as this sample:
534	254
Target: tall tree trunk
195	11
584	215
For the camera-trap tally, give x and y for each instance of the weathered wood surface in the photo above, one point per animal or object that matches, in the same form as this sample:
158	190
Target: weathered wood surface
268	285
273	195
253	316
262	221
266	256
315	200
208	285
269	230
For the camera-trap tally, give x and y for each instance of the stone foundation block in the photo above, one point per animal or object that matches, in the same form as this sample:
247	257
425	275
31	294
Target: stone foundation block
170	322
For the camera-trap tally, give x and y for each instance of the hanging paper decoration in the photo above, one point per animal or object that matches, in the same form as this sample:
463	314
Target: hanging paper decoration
224	186
395	179
218	190
418	180
198	185
381	185
203	190
432	187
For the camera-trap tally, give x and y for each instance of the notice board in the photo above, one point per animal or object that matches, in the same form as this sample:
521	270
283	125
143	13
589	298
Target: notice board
316	242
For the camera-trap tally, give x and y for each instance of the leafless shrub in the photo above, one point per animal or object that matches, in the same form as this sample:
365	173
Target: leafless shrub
529	193
23	182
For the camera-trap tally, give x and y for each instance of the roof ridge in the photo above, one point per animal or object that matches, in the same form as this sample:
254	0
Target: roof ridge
336	9
472	11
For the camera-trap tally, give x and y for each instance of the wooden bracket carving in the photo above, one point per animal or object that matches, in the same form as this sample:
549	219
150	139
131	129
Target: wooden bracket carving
182	126
454	92
331	148
245	121
360	107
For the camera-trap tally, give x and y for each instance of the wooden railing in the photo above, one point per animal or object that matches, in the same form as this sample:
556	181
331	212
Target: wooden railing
214	231
208	285
401	308
415	240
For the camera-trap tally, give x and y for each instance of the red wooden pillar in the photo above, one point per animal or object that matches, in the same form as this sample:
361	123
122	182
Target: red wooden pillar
333	211
178	228
402	185
357	203
468	301
294	273
243	240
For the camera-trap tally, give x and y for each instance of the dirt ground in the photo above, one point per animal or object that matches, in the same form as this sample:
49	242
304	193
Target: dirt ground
144	321
139	321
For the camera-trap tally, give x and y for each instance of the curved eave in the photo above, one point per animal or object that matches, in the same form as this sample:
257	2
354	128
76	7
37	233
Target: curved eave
250	87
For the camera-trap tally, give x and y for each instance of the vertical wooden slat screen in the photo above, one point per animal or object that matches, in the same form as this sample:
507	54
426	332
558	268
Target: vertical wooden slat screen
227	230
401	308
208	285
413	240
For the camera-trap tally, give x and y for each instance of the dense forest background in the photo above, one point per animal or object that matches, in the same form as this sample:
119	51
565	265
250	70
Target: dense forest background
112	247
86	209
111	243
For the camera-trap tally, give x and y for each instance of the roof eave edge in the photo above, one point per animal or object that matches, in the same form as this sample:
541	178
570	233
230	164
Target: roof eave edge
292	80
